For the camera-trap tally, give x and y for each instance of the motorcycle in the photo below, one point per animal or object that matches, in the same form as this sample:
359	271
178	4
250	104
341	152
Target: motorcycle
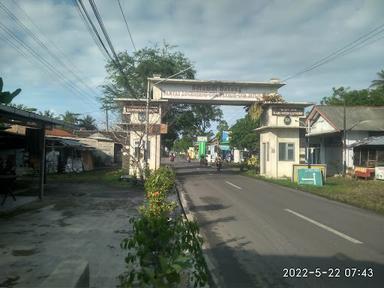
218	164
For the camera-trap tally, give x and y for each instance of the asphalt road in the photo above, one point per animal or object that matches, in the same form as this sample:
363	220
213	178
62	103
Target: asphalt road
262	235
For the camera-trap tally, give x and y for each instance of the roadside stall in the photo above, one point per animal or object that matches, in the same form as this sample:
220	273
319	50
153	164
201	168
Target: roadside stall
369	158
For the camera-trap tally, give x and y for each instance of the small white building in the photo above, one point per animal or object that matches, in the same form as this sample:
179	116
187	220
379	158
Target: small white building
135	123
281	138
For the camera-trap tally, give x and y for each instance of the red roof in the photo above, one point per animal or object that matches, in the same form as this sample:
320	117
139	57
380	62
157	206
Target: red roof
59	133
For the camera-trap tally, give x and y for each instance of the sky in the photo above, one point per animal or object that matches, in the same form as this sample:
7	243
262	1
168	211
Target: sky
225	40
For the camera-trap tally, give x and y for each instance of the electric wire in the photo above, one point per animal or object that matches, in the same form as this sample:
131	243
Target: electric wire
126	25
352	46
58	49
64	82
115	60
30	33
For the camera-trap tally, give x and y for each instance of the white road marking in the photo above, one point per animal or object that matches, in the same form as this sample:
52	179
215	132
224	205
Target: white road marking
325	227
233	185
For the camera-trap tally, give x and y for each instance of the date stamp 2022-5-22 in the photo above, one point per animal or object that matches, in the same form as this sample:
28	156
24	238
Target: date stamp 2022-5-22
350	272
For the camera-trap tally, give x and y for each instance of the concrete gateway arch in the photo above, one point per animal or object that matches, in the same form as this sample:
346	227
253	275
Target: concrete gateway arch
211	91
142	117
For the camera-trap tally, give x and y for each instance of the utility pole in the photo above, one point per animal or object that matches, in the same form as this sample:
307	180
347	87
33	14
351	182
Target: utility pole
147	112
344	140
106	118
146	129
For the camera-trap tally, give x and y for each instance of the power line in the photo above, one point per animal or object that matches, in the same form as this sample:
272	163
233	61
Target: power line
61	52
126	25
44	46
40	59
114	60
95	32
356	44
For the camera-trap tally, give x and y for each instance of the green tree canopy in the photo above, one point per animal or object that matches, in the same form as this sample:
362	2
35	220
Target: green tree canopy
88	123
70	117
5	96
368	97
379	83
243	134
222	126
182	119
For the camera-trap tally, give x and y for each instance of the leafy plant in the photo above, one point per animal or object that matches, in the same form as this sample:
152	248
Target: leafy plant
5	96
162	180
164	248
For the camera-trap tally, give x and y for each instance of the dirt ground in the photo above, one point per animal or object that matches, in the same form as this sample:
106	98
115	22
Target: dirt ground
84	220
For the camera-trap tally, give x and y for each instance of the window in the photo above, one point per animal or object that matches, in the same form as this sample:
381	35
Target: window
286	152
267	152
138	153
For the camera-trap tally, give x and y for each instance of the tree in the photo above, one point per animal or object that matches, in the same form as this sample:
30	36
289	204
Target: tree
70	117
5	96
23	107
182	119
222	126
182	144
379	83
365	97
243	135
49	113
88	123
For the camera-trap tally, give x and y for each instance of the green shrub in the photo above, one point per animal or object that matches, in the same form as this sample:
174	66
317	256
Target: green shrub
163	245
161	180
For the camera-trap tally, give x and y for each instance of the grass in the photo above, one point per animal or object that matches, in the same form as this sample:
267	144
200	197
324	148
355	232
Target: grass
104	176
361	193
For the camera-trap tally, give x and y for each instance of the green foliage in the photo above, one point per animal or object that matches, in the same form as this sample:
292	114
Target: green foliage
163	246
182	119
88	123
23	107
379	83
222	126
50	114
364	97
243	134
6	97
162	180
182	145
70	117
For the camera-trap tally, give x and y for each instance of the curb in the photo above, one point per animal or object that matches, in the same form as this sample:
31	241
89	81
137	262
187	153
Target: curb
191	217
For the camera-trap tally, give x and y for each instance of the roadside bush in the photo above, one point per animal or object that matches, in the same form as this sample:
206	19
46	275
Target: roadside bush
164	248
161	180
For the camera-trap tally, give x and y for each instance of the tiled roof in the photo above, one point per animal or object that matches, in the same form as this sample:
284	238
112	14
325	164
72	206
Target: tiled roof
59	133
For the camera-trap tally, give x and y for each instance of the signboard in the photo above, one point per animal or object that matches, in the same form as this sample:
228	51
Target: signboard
202	139
163	128
310	176
379	173
225	147
225	136
287	111
128	109
296	167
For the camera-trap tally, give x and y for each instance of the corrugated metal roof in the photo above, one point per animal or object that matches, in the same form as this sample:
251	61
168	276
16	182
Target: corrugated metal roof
71	143
370	141
361	118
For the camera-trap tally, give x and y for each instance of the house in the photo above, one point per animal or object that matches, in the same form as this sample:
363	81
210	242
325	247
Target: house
326	130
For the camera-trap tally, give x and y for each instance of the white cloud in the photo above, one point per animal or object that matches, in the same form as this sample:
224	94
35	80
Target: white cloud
238	40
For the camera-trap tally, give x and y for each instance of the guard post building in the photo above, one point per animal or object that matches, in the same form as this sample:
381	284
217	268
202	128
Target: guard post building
282	138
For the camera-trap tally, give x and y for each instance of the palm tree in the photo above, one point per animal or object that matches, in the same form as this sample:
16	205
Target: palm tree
70	117
49	113
379	82
88	123
5	96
